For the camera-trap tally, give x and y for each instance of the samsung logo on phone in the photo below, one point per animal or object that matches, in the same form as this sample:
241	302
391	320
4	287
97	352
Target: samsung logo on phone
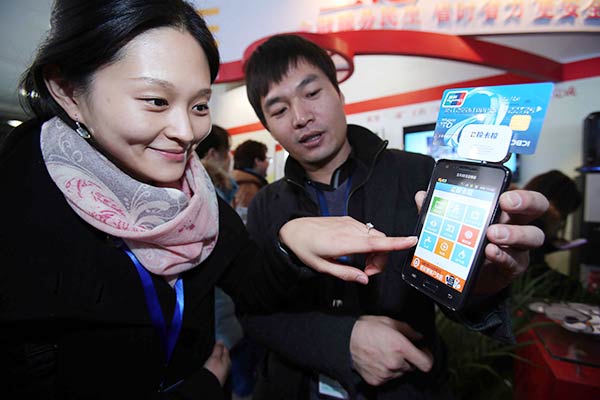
466	176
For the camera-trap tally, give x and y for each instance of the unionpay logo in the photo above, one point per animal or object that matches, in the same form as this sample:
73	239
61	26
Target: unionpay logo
455	98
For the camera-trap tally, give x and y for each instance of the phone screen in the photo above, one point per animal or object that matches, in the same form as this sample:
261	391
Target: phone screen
454	228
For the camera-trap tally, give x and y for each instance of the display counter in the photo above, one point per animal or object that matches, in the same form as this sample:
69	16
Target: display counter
556	363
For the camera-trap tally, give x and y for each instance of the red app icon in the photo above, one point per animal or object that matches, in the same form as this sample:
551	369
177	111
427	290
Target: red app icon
468	236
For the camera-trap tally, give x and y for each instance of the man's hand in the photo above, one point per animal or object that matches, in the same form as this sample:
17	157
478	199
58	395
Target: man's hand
319	241
382	350
219	362
507	254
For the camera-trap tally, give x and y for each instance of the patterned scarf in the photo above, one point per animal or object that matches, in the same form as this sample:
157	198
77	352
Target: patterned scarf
169	230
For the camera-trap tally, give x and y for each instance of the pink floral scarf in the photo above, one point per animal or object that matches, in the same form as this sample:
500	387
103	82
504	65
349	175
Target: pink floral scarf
169	230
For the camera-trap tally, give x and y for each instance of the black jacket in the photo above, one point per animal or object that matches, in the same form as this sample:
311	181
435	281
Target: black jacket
316	336
73	319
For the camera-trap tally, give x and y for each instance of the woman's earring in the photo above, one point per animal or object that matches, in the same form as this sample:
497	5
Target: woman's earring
82	130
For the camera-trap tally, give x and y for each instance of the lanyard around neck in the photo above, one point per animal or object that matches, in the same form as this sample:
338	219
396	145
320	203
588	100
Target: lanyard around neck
324	207
168	335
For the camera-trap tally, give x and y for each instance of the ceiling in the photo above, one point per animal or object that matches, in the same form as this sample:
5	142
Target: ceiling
24	23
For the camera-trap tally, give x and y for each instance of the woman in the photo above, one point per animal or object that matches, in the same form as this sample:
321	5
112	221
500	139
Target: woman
113	238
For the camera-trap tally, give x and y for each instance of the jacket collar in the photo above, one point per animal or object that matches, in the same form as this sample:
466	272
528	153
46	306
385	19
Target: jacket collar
365	148
249	174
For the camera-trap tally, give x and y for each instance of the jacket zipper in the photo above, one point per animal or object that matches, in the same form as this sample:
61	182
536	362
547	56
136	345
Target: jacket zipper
371	168
293	182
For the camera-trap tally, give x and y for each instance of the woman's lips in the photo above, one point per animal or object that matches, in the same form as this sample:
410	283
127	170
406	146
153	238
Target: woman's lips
172	155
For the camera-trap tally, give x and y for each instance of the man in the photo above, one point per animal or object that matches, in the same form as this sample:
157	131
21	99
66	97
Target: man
250	165
564	198
214	152
345	339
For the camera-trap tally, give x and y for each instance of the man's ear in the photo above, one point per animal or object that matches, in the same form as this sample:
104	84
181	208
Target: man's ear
62	92
211	153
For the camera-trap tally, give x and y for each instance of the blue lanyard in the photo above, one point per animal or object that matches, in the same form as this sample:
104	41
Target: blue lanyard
168	335
324	208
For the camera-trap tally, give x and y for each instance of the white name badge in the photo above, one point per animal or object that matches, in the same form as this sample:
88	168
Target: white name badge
332	388
484	142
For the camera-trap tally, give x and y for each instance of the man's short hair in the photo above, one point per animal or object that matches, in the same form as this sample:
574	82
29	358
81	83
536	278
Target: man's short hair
559	189
273	59
245	153
217	139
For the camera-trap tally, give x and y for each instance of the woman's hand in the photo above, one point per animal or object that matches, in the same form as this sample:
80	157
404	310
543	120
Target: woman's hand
319	241
219	362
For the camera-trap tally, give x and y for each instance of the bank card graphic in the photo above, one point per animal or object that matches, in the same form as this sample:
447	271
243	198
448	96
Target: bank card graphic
521	108
454	98
452	231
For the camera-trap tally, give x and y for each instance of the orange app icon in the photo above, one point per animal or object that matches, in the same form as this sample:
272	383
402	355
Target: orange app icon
444	248
468	236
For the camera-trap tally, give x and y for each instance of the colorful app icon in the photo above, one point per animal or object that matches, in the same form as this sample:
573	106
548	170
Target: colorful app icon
427	241
438	206
462	255
444	248
468	235
433	224
475	216
456	211
450	229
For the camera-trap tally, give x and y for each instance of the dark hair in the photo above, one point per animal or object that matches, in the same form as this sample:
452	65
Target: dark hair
217	139
88	34
272	60
559	189
245	153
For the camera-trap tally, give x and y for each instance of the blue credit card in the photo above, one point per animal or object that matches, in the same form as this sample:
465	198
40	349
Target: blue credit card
520	107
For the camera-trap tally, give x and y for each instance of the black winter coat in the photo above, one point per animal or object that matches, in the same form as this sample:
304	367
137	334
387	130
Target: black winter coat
73	318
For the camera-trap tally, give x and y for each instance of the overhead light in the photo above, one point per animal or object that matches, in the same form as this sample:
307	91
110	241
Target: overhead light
14	122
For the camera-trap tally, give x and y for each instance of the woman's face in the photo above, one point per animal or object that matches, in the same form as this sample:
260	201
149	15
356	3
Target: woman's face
149	109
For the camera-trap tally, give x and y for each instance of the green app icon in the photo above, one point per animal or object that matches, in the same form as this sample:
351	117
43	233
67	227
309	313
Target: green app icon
438	206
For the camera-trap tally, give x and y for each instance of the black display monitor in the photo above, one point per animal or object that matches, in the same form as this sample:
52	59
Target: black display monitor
419	139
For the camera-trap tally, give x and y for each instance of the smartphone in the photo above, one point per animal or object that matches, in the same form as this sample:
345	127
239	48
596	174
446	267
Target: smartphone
461	202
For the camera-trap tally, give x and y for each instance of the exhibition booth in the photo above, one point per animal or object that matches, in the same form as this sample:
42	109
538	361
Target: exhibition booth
395	59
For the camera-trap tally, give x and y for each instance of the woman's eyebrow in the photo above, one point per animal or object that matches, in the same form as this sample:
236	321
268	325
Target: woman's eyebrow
155	82
204	92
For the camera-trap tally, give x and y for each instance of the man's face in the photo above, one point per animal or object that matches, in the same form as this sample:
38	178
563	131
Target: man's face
261	166
305	114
